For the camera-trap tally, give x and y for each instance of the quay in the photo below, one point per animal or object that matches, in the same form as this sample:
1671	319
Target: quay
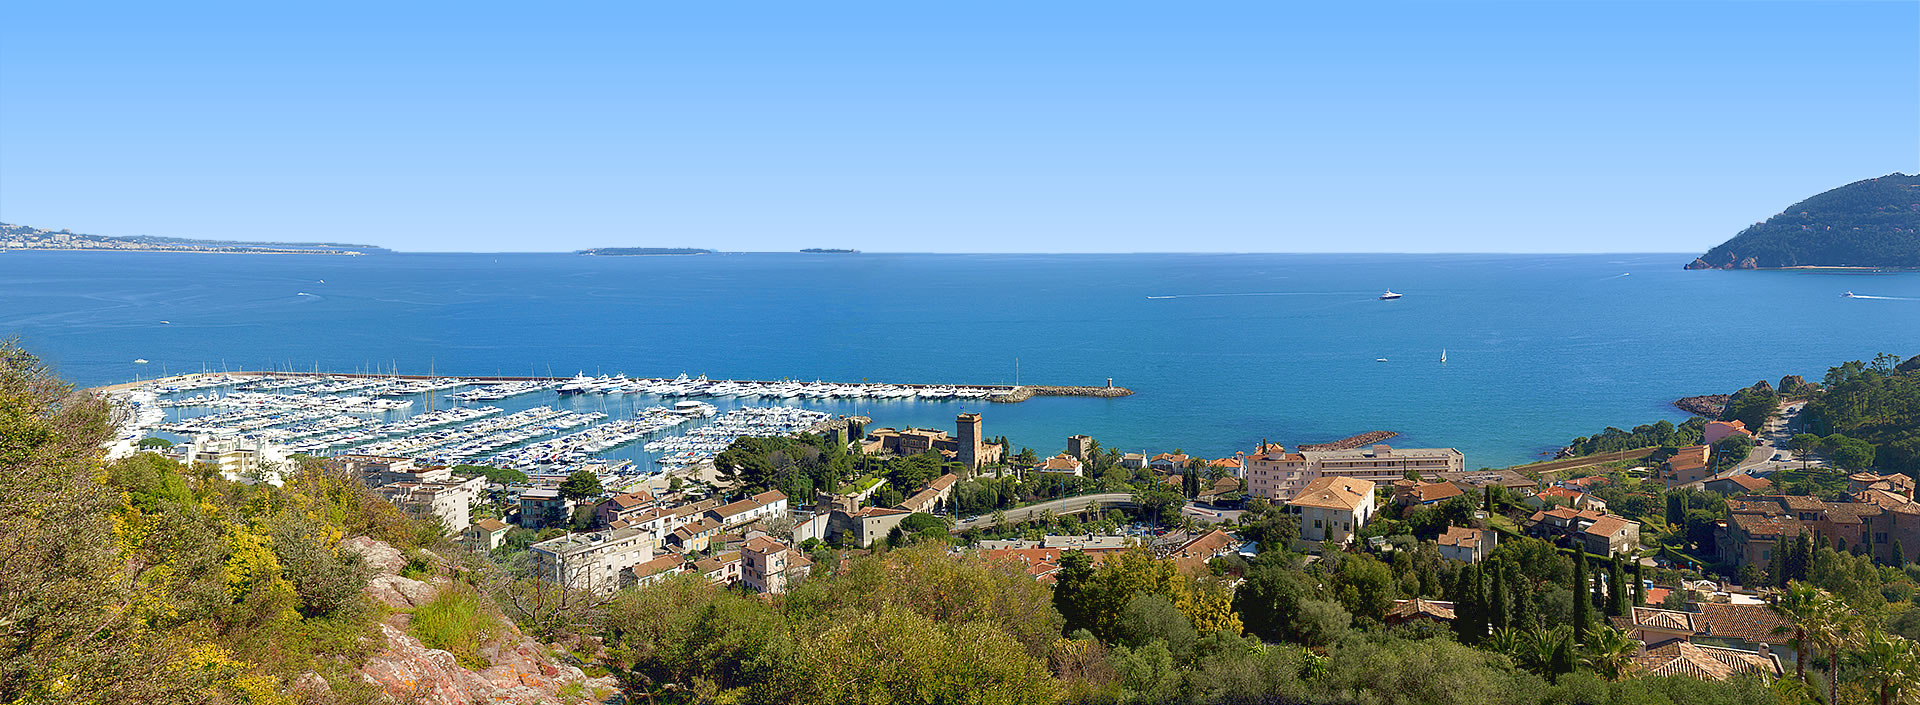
997	393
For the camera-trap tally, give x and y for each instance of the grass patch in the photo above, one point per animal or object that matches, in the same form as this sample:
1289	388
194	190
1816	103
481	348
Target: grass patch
459	620
572	691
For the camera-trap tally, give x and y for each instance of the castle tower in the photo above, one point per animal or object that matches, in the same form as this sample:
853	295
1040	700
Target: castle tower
969	440
1077	446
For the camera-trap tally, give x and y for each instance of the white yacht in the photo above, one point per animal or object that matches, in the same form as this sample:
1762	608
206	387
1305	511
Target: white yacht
1389	296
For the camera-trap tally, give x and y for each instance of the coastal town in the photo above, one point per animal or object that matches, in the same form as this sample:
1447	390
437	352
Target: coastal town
23	237
1683	543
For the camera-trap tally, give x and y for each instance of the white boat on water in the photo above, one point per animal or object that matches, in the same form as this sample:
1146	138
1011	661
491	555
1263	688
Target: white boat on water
1849	295
1389	296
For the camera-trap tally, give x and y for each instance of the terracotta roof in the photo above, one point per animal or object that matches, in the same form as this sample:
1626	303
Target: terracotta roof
1226	463
764	545
491	524
1749	482
1684	658
630	499
659	565
1607	526
1172	458
1193	555
1766	526
717	563
944	481
1689	458
1434	492
1670	620
1735	426
1417	608
1335	492
879	512
1061	462
1749	623
1460	536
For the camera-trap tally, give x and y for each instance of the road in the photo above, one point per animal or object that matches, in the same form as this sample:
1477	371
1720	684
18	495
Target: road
1776	433
1103	502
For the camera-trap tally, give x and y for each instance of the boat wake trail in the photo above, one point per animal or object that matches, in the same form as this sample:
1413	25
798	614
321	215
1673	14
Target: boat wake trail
1252	293
1885	298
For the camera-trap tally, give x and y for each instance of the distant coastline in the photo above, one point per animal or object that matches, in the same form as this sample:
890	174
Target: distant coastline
642	251
26	238
829	251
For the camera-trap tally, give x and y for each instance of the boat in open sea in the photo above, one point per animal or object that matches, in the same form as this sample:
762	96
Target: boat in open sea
1389	296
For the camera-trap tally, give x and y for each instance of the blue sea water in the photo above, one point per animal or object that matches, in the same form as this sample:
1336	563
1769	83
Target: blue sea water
1222	350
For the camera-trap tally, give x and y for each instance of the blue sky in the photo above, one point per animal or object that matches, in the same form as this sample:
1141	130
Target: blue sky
940	127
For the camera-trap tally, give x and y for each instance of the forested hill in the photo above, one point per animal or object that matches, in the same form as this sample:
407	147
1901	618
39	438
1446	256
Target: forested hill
1871	223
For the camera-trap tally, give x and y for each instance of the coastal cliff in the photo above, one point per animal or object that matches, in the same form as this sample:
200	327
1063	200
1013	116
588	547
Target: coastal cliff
1870	223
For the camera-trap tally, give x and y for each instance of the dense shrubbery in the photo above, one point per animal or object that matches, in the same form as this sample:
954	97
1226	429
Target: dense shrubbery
1657	434
141	581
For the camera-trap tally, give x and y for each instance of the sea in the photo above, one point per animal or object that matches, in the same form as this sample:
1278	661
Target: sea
1223	351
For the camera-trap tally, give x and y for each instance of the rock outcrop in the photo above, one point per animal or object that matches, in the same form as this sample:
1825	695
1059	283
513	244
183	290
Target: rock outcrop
519	671
1709	405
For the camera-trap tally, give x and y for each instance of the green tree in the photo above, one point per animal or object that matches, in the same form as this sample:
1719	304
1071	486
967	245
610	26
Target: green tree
1582	605
580	485
1616	590
1149	618
1609	652
1890	661
151	443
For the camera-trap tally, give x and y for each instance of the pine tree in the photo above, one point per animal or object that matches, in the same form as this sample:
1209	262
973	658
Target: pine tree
1639	585
1582	604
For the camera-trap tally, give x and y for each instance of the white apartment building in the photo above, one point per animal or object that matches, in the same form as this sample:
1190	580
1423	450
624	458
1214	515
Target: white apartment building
1279	475
591	561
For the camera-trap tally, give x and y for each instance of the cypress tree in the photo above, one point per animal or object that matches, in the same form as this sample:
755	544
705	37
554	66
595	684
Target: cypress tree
1519	598
1777	566
1800	564
1617	590
1582	604
1599	593
1499	613
1489	493
1899	557
1639	585
1466	605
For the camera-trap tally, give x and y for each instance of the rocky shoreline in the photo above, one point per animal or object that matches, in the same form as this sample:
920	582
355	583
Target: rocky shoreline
1708	405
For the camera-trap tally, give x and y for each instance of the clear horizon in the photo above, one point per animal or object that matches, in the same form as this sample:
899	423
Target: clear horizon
1470	128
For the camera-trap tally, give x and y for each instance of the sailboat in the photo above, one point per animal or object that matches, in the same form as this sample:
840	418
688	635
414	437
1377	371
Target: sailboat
1443	354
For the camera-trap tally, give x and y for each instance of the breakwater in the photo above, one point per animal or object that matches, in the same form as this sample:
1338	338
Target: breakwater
1029	391
1352	442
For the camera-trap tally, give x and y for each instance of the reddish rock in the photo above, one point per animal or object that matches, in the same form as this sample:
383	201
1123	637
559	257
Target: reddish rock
401	593
384	559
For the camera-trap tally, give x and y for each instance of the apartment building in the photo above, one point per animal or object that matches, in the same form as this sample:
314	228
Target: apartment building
1278	475
591	561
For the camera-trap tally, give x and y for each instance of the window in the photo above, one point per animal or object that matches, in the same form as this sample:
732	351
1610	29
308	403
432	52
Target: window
1316	524
1880	537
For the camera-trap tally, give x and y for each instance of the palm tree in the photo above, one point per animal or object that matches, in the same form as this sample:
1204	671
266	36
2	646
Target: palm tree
1609	652
1819	620
1889	659
1796	605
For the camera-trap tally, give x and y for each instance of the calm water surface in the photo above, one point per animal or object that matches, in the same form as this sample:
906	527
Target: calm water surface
1223	350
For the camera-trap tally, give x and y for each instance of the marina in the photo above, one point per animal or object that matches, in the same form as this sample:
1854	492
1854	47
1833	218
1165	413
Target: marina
626	428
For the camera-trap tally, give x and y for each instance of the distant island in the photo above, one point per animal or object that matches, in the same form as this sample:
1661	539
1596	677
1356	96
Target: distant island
826	251
23	237
1866	224
638	251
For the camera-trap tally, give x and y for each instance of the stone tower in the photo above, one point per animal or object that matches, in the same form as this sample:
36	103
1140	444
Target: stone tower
969	440
1077	446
